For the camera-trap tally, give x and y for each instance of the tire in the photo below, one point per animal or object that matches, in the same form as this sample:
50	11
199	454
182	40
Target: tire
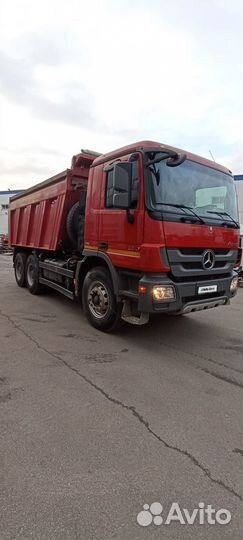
75	225
99	302
32	275
19	269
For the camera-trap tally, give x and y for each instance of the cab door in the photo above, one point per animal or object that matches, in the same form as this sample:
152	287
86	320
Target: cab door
121	231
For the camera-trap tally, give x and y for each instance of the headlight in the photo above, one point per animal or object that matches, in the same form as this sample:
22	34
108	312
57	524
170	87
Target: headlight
163	293
234	284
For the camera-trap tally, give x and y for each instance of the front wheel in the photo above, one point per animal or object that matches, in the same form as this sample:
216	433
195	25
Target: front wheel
99	302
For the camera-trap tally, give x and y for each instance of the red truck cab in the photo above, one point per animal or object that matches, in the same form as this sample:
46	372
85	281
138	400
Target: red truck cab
140	230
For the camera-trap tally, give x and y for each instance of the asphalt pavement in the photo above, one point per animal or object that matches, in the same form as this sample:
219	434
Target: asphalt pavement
95	428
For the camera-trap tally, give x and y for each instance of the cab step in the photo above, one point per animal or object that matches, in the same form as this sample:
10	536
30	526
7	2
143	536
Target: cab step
127	316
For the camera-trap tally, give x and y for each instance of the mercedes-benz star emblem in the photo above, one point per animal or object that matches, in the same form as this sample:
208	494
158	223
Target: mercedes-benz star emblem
208	259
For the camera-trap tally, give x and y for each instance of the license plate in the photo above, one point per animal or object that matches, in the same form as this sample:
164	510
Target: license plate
207	289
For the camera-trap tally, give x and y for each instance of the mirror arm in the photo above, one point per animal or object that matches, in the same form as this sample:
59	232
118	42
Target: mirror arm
130	217
110	166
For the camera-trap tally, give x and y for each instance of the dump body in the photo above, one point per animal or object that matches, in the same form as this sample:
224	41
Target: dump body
37	217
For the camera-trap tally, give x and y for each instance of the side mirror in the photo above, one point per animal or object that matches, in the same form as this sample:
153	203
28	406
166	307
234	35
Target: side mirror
176	160
122	182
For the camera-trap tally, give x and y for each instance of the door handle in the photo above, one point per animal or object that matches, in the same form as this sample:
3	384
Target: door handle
103	245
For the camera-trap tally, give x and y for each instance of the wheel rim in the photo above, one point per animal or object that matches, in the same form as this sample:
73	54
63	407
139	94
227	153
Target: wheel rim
31	274
18	270
98	299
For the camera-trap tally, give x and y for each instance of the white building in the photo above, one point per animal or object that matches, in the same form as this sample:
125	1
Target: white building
4	203
239	188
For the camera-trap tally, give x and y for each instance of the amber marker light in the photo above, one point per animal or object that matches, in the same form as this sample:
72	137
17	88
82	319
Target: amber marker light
142	289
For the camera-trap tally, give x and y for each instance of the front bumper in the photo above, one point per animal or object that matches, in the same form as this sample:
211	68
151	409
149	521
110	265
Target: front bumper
187	298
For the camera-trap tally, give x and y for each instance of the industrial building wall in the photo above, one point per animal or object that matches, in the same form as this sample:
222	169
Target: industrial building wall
239	188
4	203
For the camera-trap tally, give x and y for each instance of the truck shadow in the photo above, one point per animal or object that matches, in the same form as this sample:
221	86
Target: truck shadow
161	329
198	339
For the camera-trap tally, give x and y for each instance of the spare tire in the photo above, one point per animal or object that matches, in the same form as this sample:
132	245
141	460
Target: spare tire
75	226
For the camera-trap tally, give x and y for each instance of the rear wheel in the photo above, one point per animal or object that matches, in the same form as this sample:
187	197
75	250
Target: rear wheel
32	275
19	269
99	302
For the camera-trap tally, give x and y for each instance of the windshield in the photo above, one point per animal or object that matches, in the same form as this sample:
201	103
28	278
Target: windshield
202	188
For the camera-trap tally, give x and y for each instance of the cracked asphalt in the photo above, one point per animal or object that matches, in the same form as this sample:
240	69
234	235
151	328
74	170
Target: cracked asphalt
94	426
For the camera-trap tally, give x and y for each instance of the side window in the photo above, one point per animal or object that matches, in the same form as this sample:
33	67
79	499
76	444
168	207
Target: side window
109	189
135	186
135	183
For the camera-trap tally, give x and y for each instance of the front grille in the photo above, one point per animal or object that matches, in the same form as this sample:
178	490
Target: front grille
192	265
186	263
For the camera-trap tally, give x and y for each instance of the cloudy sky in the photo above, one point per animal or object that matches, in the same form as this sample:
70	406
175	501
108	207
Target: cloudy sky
100	74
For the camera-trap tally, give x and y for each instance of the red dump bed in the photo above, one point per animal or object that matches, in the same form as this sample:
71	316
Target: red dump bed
37	216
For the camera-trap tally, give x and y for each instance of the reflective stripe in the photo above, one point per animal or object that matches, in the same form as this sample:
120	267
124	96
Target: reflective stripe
123	252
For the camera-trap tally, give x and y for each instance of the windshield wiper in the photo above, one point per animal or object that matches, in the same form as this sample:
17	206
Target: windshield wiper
224	214
184	207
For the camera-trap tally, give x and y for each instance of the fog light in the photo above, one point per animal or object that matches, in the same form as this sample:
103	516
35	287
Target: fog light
163	293
234	284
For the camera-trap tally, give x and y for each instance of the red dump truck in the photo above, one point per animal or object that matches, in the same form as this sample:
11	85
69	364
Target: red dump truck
140	230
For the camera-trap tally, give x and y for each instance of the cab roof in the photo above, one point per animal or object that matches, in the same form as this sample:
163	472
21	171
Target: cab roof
153	145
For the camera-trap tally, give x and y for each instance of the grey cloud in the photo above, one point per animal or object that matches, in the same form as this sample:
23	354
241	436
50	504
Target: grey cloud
129	133
202	142
41	51
142	132
31	151
17	82
54	47
24	169
236	164
14	78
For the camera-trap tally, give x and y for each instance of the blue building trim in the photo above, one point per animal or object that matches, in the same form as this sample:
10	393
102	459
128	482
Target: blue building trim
11	192
238	177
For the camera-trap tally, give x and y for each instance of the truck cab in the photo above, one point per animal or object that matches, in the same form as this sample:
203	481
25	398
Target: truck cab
171	221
